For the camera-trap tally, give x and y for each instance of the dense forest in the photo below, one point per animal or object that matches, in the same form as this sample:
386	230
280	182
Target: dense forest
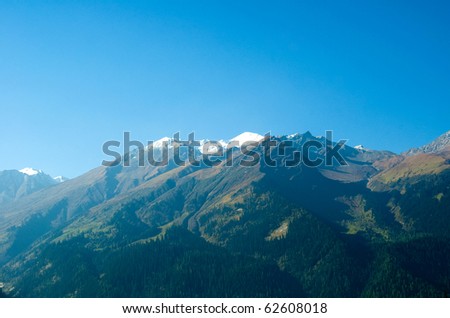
310	260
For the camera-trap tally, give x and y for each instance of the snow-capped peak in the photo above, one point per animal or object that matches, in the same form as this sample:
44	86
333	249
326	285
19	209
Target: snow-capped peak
360	147
30	171
247	136
211	147
60	179
160	142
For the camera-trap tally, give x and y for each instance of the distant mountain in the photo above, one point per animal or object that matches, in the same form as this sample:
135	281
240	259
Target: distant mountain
441	143
376	227
60	179
15	184
247	137
415	164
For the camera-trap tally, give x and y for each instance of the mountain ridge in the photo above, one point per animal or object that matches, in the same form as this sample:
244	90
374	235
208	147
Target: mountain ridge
439	144
16	184
337	217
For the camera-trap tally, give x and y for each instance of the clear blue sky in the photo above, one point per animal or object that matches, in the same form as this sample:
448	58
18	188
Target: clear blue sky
76	74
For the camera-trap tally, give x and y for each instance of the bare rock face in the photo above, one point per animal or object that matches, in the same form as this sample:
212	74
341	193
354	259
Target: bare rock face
441	143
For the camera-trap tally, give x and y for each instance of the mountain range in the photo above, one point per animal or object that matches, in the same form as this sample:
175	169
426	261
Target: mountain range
375	227
15	184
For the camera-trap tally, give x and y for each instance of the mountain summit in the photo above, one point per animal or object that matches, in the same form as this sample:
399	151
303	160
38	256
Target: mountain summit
356	230
439	144
15	184
246	137
30	171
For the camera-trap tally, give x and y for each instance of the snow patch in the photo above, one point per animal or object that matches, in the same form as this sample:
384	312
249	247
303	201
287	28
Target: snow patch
211	147
30	171
247	136
60	179
161	142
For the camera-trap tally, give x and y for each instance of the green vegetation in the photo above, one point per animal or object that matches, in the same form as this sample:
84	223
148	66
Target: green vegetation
310	259
236	232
